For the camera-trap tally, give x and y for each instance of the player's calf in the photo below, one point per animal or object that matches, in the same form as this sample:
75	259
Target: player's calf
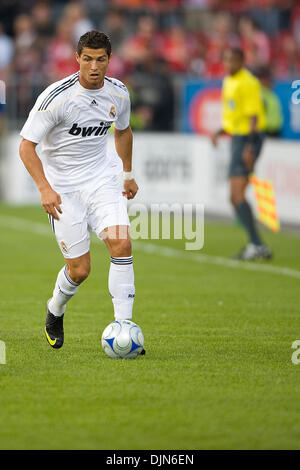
64	289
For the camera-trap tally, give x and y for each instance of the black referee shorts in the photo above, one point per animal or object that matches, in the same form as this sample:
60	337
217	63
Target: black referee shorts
237	167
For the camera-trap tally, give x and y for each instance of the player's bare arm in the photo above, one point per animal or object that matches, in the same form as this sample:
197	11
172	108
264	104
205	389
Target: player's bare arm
123	143
248	153
215	137
50	200
253	124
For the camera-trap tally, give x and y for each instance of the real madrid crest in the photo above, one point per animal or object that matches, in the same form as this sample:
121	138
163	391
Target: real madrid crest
64	247
112	112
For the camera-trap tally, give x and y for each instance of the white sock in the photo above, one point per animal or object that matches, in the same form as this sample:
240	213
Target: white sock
121	286
64	290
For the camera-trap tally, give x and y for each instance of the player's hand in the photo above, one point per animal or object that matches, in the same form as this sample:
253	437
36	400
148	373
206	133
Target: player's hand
51	202
214	138
248	157
130	188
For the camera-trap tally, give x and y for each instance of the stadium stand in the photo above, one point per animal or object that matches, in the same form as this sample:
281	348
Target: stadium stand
152	41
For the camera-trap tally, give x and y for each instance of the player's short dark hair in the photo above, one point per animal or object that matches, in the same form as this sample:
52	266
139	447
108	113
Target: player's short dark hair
237	52
94	40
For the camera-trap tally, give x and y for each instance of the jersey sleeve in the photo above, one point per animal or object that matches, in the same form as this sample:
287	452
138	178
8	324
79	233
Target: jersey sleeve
123	120
40	122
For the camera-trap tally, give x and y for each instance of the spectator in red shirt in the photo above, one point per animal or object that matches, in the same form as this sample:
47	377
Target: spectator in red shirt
135	50
255	43
177	48
61	60
221	38
287	61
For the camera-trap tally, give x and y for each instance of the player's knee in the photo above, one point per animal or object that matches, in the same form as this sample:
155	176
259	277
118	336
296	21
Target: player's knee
121	248
233	199
236	198
80	273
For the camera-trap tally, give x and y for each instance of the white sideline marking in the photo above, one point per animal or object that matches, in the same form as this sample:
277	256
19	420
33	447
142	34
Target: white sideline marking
151	248
2	353
217	260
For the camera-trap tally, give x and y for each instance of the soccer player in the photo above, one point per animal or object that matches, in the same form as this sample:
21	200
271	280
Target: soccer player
243	117
78	179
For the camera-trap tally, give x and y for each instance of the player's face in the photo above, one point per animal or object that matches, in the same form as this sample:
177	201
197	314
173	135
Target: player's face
232	62
93	64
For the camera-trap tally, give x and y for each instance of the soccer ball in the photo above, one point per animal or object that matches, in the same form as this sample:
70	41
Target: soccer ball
122	339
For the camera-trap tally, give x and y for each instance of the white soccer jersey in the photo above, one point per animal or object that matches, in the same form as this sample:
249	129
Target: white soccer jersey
70	123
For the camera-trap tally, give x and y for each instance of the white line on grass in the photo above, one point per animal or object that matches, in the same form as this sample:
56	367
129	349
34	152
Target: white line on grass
217	260
151	248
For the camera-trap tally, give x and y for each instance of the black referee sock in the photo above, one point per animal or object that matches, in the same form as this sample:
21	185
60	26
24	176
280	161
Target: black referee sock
244	213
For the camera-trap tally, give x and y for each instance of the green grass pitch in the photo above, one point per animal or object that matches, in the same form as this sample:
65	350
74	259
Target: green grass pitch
217	374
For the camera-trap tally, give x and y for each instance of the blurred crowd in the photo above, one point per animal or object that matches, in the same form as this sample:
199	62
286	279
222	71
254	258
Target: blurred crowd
154	42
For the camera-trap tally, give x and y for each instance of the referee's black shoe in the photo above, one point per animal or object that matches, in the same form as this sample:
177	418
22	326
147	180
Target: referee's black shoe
253	252
54	330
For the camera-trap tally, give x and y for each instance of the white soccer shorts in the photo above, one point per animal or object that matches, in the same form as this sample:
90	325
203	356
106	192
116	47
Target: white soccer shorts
87	210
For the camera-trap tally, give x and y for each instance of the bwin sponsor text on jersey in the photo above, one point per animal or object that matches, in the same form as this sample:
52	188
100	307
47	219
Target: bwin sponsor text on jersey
102	129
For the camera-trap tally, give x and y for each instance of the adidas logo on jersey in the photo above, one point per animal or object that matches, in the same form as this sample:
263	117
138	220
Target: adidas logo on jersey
94	103
91	130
